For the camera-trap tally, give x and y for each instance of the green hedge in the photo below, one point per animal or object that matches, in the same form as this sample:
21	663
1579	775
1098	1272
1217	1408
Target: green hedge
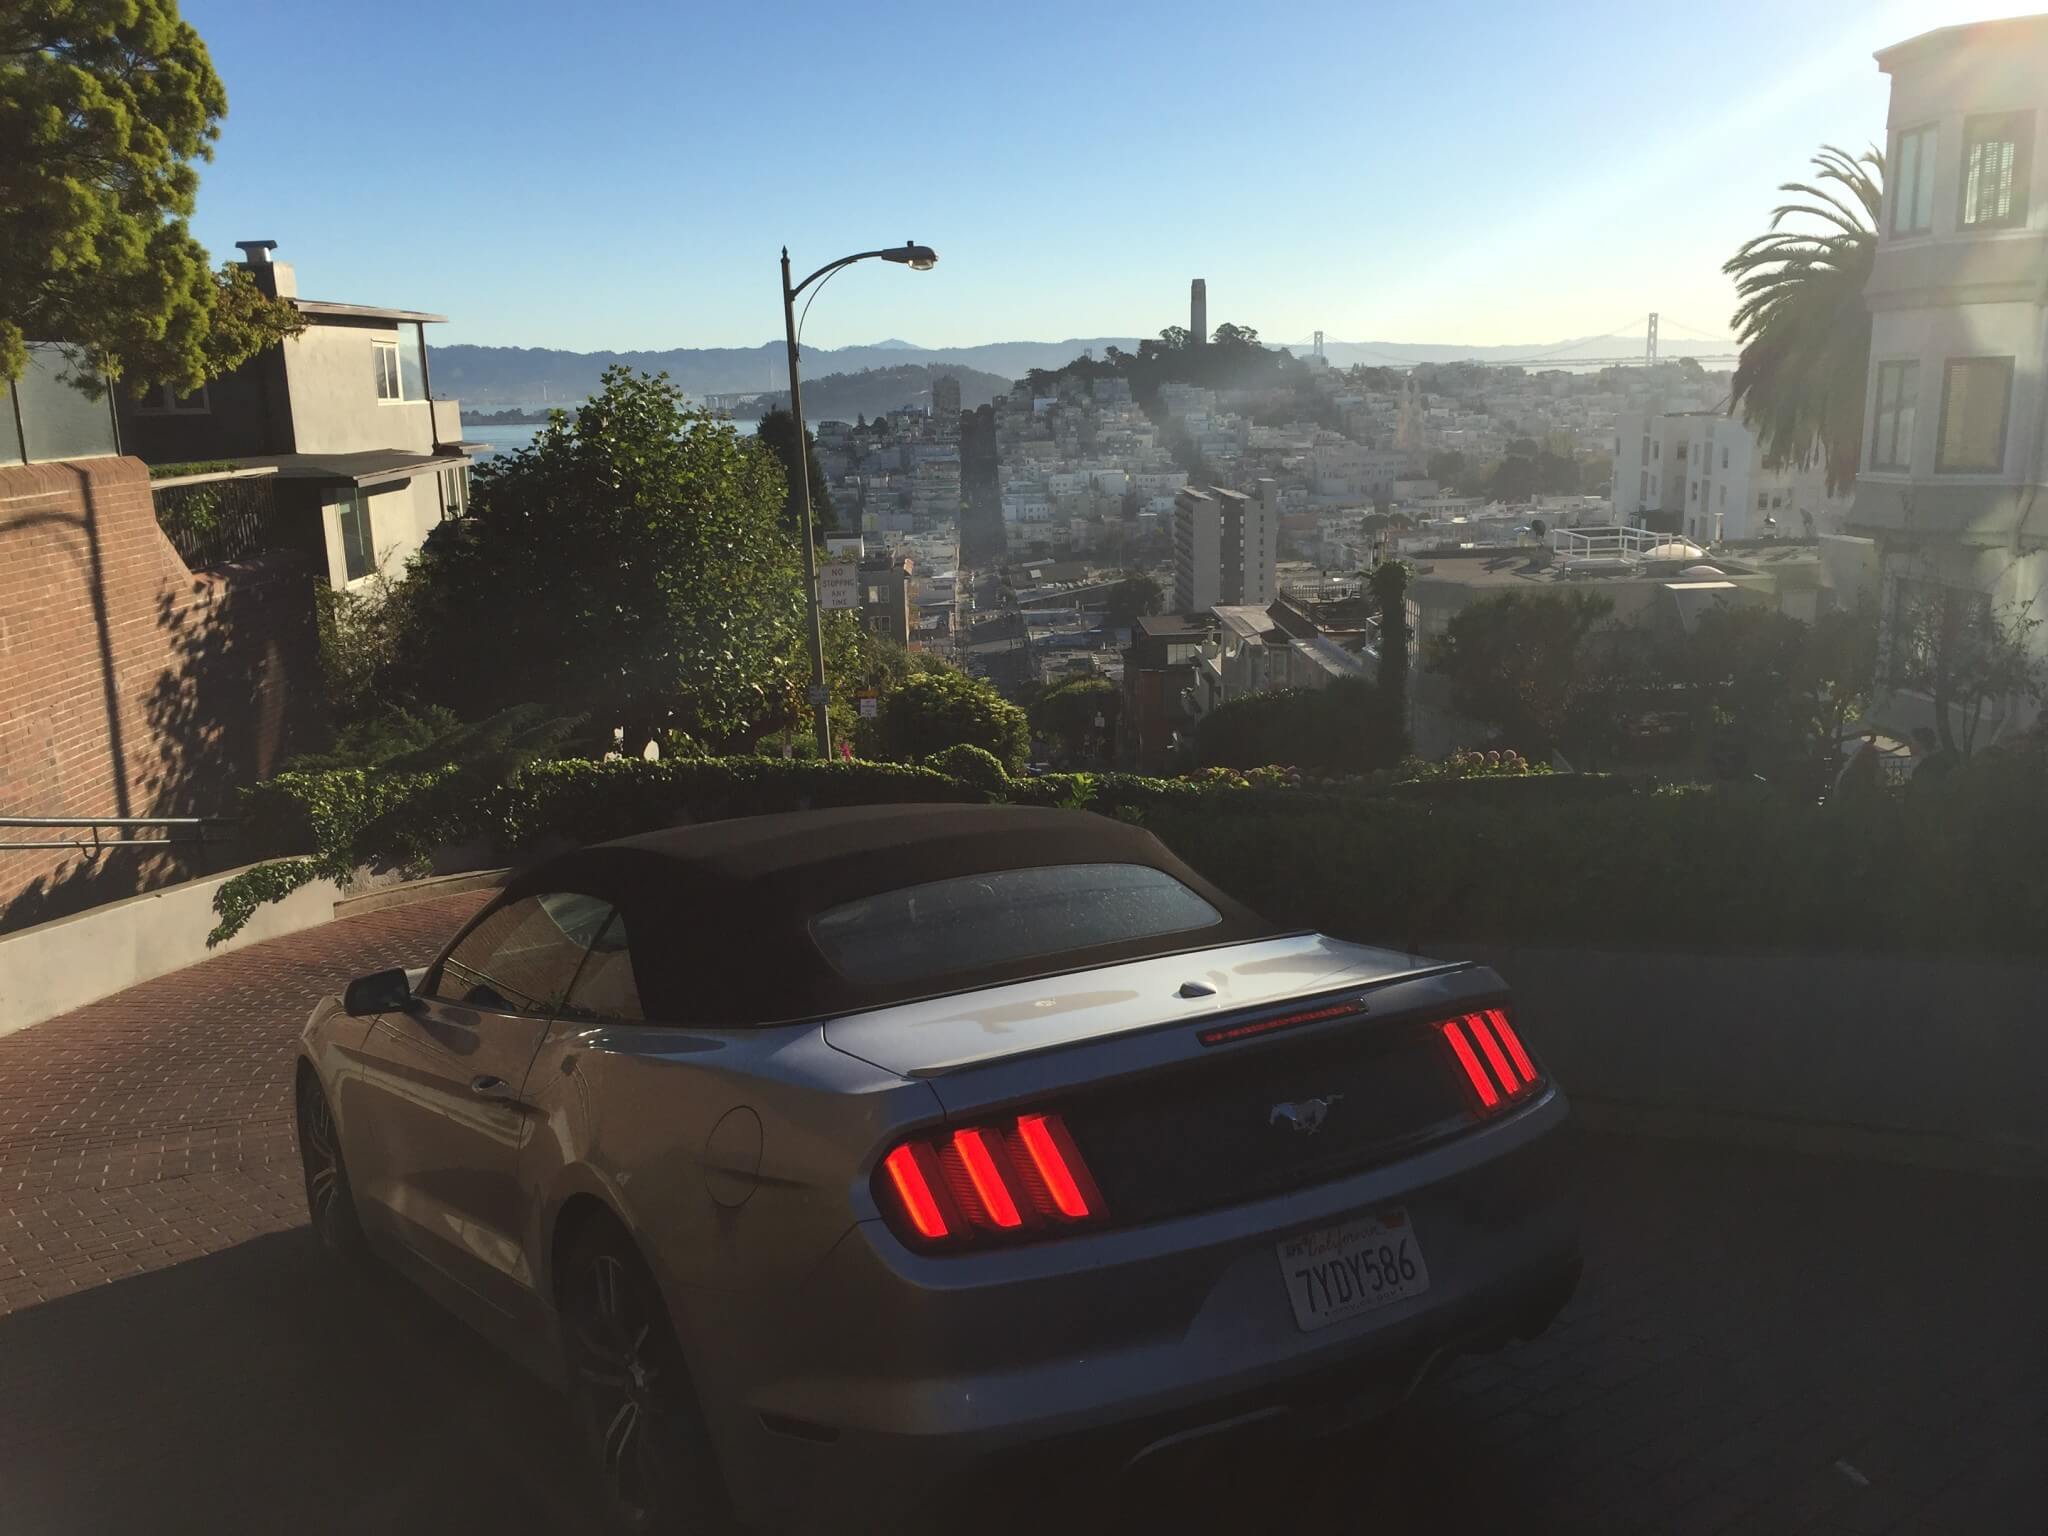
1544	859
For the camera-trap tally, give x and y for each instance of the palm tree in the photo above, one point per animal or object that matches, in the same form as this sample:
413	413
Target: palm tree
1805	333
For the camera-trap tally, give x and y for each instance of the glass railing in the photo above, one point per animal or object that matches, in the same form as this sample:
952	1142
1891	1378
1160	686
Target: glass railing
44	416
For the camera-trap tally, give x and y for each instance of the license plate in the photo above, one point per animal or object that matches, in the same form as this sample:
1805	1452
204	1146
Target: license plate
1358	1266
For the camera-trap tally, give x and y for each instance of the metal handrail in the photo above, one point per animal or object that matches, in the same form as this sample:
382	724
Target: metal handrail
98	845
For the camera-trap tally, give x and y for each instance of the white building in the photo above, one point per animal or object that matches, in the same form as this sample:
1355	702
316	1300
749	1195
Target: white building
1226	547
1956	416
1707	468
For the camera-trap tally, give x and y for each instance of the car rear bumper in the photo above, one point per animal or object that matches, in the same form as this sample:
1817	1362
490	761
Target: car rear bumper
899	1375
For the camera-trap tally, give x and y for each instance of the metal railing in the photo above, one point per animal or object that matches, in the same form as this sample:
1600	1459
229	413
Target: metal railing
217	519
94	847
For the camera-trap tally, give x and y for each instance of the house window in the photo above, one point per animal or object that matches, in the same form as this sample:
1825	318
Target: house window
454	491
1913	182
1898	406
165	401
1646	485
1995	170
1724	458
1763	501
1975	392
358	541
388	387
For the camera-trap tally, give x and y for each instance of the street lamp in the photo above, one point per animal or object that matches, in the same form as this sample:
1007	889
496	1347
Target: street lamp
919	258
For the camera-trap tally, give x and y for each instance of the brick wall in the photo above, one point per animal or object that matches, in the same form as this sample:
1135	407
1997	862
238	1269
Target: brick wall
129	685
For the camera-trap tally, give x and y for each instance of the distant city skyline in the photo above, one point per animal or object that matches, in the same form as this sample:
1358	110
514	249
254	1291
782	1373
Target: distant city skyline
1484	179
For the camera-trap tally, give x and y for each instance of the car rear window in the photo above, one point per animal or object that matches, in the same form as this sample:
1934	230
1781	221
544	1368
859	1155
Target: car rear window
975	921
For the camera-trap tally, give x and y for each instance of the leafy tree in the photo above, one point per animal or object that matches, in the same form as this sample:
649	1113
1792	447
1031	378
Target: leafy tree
1340	728
1514	479
1240	336
1447	467
1388	584
1518	663
1965	654
630	565
1066	712
1175	338
935	710
777	432
1804	329
1132	598
104	108
939	709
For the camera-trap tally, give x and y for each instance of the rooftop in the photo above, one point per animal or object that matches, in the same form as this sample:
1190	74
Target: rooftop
2011	32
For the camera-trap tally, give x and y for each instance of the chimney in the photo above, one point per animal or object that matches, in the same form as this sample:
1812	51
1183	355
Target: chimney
275	278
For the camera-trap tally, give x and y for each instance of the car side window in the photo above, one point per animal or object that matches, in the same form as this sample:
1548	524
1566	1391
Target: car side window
523	957
606	988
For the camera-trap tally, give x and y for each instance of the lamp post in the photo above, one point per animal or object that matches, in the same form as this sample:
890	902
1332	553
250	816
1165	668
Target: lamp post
919	258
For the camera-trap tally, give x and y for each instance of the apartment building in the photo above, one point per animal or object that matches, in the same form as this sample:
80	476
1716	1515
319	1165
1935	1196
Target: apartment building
1226	547
1956	415
1705	470
366	461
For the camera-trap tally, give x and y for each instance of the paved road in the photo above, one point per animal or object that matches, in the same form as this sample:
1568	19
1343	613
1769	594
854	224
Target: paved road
1763	1342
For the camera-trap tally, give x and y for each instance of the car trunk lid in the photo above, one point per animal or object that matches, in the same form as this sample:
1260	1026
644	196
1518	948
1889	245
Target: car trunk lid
976	1029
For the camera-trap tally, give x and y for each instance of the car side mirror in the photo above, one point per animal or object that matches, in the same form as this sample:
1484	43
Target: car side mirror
383	992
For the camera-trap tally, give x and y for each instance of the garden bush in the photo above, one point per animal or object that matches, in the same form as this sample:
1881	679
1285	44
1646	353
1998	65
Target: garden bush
971	765
1573	860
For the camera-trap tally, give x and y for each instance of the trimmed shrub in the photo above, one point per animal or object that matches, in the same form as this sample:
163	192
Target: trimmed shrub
971	765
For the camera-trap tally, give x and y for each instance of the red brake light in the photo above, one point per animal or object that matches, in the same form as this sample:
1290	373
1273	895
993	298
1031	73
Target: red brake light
1512	1075
1506	1032
1058	1161
1502	1072
1475	1074
982	1172
914	1189
1026	1178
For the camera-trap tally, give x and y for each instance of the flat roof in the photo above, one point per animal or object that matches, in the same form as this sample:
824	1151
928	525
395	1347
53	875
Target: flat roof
365	312
1169	624
1965	34
377	466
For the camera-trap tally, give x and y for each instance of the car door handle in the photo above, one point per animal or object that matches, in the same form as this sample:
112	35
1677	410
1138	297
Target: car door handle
496	1089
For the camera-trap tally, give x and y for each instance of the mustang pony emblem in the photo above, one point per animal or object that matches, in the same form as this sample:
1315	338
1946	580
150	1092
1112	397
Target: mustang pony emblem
1307	1116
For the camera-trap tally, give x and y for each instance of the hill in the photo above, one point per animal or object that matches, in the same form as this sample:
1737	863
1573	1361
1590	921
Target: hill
493	377
874	391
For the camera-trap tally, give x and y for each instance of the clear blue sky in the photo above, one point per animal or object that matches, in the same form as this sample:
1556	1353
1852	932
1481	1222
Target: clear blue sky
621	174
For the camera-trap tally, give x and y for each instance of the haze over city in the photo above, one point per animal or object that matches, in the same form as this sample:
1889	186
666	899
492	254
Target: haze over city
1478	174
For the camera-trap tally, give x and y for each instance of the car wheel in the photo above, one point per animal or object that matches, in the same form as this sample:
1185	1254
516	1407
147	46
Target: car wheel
631	1391
329	1200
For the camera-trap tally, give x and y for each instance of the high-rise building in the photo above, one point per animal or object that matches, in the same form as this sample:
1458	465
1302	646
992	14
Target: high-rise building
1226	547
982	539
946	401
1198	311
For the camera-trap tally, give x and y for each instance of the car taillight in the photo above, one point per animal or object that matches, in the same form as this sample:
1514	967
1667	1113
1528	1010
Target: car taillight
1016	1179
1490	1055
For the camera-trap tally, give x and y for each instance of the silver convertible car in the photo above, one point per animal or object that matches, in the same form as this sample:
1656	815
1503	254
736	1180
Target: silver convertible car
829	1160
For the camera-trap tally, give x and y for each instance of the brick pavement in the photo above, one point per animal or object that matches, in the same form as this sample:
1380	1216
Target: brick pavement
1764	1342
156	1125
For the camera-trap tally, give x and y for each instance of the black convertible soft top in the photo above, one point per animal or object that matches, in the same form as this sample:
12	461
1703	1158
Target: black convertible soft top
719	913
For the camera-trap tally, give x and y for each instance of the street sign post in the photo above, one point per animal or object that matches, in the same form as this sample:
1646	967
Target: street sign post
839	584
